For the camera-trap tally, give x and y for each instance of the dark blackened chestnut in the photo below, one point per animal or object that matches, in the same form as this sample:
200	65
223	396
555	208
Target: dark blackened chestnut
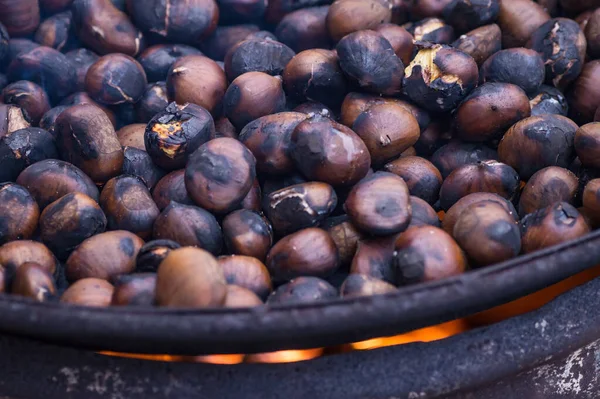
304	29
547	186
550	6
345	236
247	233
89	292
273	184
171	188
268	56
158	60
82	97
583	19
357	285
587	144
368	59
189	226
574	6
14	254
190	278
132	136
23	148
591	200
327	151
537	142
187	22
252	95
584	96
519	66
54	6
153	101
106	29
129	206
152	254
422	213
220	174
17	46
240	297
303	290
58	32
379	204
138	163
426	253
400	39
175	133
552	225
387	130
562	45
30	97
400	11
315	75
490	109
3	80
488	176
277	9
300	206
134	290
86	138
20	17
548	100
439	77
349	16
69	221
116	79
247	272
81	59
260	35
241	11
197	80
33	281
465	15
20	213
480	43
456	210
487	233
421	176
373	258
48	68
427	8
253	200
223	38
308	252
433	30
518	19
48	121
269	140
457	153
104	256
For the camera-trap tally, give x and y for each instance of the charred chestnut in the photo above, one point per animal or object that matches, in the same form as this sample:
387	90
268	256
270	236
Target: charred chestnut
89	292
357	285
48	121
12	118
152	254
547	186
457	153
81	60
421	176
480	43
345	236
305	29
373	258
139	164
19	211
433	30
171	188
548	100
23	148
465	15
134	290
428	8
587	144
255	55
30	97
519	66
116	79
240	11
518	19
247	233
33	281
348	16
58	32
303	290
153	101
456	210
248	273
422	213
400	39
157	60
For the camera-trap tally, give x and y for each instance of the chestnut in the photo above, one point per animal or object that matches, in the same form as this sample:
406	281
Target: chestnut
583	19
277	9
488	176
247	272
422	213
240	11
305	29
591	199
104	256
349	16
134	290
3	80
465	15
574	6
106	29
224	128
16	46
379	204
315	75
357	285
519	66
247	233
48	120
592	34
457	153
132	136
368	59
434	137
303	290
116	79
432	30
400	11
81	97
439	77
58	32
70	220
584	96
487	233
153	101
421	176
81	59
426	253
547	186
14	254
20	17
311	107
537	142
86	138
89	292
345	236
327	151
30	97
518	19
54	6
253	200
300	206
427	8
189	226
171	188
129	206
480	43
257	55
239	297
277	183
456	210
552	225
373	258
400	39
252	95
175	133
223	38
152	254
220	174
139	164
269	140
23	148
33	281
20	213
308	252
50	179
190	278
158	59
197	80
548	100
587	144
490	109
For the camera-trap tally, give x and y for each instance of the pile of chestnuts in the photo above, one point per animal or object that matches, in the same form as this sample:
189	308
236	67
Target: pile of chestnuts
232	153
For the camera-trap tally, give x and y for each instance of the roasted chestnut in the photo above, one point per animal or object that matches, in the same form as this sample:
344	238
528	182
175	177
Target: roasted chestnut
12	118
89	292
19	211
22	148
587	144
518	19
456	210
171	188
157	60
223	38
480	43
303	290
153	101
519	66
432	30
256	55
247	233
139	164
48	121
134	290
584	97
33	281
465	15
116	79
58	32
82	97
30	97
20	17
357	285
132	136
14	254
548	100
373	258
81	59
591	199
305	29
457	153
348	16
400	39
240	11
422	213
248	273
592	34
152	254
547	186
421	176
345	236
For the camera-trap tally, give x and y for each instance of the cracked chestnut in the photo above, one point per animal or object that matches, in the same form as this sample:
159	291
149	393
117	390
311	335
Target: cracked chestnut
116	79
152	254
23	148
158	60
432	30
548	100
30	97
20	213
421	176
547	186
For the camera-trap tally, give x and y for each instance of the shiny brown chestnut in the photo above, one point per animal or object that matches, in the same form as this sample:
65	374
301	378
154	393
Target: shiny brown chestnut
548	100
81	97
519	66
400	39
456	210
139	164
422	213
584	95
303	290
421	176
189	225
19	211
465	15
175	133
152	254
345	236
246	232
518	19
432	30
20	17
29	96
256	55
373	258
12	118
349	16
357	285
132	136
552	225
458	153
547	186
81	59
116	79
480	43
240	297
153	101
305	29
587	144
89	292
158	59
104	256
69	221
247	272
171	188
14	254
134	290
33	281
58	32
426	253
23	148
